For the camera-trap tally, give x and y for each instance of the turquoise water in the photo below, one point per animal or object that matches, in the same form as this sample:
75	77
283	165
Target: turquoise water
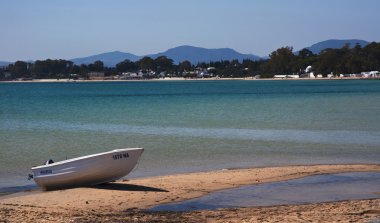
189	126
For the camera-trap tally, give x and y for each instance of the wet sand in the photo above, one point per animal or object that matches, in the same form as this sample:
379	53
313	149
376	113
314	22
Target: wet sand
128	200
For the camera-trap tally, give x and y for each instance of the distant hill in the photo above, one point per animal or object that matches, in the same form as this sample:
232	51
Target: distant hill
109	59
177	54
335	44
4	63
198	54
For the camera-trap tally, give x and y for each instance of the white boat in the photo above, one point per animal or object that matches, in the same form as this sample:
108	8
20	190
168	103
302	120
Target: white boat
87	170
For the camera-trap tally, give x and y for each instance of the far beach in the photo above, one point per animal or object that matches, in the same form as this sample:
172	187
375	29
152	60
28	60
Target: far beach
249	78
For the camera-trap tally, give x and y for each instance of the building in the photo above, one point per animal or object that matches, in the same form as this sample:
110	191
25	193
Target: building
96	75
371	74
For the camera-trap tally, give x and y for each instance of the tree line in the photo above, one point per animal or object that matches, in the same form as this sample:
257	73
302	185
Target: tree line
283	61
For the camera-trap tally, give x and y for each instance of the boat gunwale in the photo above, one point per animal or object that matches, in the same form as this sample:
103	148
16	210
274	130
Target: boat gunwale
84	157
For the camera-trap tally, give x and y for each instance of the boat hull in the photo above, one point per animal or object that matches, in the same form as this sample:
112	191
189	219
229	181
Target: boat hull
87	170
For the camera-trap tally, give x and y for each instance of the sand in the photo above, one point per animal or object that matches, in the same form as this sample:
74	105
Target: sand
127	201
251	78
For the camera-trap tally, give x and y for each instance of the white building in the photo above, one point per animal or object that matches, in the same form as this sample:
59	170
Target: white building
371	74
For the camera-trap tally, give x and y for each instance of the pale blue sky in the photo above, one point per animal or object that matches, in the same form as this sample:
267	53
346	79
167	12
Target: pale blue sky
42	29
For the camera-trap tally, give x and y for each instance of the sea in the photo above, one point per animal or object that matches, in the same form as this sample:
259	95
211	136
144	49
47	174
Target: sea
190	125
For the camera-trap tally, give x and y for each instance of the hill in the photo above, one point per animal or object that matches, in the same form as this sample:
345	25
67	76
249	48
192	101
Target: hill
177	54
335	44
198	54
109	59
4	63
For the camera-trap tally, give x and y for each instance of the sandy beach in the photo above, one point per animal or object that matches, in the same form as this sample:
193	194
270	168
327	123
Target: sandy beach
251	78
127	201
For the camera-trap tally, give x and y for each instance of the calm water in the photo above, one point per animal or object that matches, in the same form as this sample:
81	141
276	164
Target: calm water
190	125
313	189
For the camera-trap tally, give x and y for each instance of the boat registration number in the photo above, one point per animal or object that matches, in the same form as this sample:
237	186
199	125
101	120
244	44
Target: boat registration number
43	172
120	156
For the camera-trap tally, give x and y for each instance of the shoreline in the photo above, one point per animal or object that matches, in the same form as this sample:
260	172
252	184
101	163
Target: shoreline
180	79
132	197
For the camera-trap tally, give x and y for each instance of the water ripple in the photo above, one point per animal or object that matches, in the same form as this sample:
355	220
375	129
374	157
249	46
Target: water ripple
369	138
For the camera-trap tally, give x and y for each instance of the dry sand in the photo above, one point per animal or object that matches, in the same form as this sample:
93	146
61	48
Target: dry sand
252	78
126	201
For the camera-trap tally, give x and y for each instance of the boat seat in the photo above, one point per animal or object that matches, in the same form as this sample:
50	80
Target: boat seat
49	162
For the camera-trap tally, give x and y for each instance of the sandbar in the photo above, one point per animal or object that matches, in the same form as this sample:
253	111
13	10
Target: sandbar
127	201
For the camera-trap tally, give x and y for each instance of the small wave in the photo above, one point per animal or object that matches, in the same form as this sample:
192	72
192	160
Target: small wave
369	138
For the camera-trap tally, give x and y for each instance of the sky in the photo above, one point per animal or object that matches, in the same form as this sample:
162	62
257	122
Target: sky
42	29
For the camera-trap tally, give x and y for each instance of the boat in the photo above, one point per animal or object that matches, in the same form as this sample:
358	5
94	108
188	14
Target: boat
87	170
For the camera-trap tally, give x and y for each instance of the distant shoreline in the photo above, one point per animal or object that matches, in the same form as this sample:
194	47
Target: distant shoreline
181	79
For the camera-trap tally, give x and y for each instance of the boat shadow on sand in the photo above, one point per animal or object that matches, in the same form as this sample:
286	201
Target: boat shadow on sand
127	187
17	190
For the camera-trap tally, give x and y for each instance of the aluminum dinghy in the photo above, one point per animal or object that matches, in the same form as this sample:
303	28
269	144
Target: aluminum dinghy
87	170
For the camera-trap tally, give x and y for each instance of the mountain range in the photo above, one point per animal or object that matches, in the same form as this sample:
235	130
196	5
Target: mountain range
177	54
335	44
199	54
109	59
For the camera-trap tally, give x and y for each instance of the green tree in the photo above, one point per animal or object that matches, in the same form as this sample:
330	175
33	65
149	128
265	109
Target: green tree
372	52
281	61
97	66
305	53
327	62
84	71
146	63
304	58
126	66
162	63
184	66
20	68
355	62
254	67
